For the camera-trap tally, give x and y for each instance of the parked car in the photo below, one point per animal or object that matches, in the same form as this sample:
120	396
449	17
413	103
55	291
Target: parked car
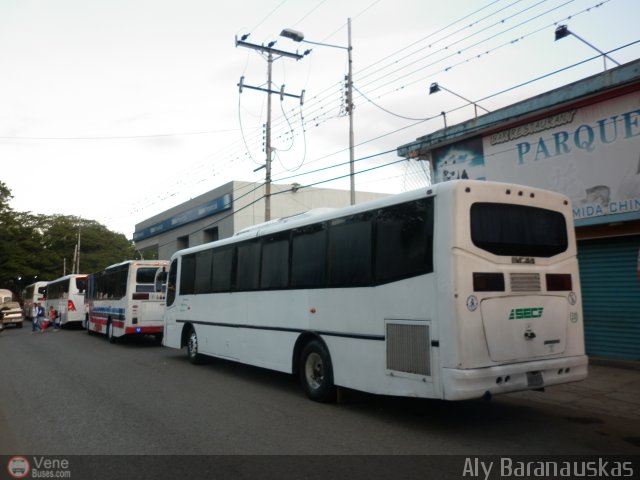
10	311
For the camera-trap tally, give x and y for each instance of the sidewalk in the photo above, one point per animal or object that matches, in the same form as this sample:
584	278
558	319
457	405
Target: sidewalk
608	390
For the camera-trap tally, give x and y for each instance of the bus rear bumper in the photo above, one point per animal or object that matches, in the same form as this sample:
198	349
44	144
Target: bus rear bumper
478	382
144	330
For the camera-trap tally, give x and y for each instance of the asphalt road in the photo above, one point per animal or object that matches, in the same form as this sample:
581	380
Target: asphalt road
70	393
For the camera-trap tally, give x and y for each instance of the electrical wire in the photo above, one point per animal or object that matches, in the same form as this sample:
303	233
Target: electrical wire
322	104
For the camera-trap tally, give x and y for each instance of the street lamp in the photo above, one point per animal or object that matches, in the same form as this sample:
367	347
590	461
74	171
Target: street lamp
563	31
435	88
297	36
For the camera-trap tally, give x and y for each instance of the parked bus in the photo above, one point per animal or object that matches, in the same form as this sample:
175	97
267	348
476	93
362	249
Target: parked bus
66	295
122	300
34	293
461	290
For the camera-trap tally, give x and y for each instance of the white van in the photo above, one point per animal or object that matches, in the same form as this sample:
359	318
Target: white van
10	311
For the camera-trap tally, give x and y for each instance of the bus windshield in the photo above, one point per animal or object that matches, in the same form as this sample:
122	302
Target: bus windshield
507	229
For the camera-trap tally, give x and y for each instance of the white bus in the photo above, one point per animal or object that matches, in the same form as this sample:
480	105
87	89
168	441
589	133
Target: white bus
34	293
66	295
461	290
122	300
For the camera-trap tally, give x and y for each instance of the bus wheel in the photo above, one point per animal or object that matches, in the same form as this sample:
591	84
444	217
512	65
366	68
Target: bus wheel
316	372
192	347
158	338
110	336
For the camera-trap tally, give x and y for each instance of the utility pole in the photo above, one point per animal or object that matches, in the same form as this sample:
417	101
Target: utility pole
75	266
78	256
352	178
270	51
267	185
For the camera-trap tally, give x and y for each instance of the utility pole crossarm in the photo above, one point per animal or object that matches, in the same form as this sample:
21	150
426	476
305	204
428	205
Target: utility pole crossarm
268	90
267	49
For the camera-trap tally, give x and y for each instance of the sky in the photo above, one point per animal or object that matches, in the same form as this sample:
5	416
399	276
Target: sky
118	110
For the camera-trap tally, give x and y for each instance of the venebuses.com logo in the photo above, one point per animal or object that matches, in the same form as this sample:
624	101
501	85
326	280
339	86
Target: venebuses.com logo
38	467
18	467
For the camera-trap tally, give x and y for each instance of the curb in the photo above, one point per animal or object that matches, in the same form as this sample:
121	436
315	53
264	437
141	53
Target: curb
614	363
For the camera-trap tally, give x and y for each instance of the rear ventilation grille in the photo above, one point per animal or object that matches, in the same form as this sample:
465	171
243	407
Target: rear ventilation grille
525	282
408	348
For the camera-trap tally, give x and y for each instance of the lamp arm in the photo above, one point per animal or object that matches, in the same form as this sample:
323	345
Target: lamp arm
326	45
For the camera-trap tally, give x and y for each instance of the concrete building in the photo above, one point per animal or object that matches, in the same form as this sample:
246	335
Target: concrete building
582	140
224	211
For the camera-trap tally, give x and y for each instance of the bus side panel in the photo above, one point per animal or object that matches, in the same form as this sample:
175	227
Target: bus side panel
362	353
268	346
252	327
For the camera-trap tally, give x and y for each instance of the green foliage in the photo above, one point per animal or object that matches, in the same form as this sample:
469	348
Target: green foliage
39	246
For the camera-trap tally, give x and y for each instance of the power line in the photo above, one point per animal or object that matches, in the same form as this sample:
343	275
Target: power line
320	120
321	107
123	137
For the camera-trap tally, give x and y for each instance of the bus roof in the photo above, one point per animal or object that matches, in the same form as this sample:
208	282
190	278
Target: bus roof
66	277
158	263
325	214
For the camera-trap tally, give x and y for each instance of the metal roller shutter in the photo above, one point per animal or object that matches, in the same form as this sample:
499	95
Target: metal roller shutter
611	296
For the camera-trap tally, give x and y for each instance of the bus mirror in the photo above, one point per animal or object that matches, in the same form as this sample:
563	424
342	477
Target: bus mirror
161	280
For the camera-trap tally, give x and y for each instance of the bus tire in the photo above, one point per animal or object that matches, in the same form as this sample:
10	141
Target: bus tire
158	338
316	372
192	347
110	336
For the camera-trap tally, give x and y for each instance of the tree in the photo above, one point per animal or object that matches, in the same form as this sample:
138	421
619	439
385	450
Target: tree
16	243
39	246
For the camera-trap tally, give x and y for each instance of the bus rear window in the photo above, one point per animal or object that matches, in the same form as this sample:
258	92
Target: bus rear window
81	284
505	229
145	279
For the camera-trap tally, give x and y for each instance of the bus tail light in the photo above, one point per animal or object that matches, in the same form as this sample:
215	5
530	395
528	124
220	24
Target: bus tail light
558	282
71	306
140	296
488	282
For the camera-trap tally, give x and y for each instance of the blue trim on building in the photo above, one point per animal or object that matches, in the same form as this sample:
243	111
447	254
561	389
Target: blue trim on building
208	209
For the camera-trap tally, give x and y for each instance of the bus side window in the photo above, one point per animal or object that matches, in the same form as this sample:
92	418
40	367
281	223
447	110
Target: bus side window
350	249
188	274
248	265
404	240
308	256
171	283
275	262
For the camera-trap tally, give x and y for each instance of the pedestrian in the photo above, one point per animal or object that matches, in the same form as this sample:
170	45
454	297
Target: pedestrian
53	317
41	318
34	317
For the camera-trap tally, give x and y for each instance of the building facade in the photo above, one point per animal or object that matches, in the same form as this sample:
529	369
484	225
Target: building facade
582	140
228	209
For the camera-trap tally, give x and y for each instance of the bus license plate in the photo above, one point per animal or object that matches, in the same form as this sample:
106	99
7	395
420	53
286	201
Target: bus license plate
534	379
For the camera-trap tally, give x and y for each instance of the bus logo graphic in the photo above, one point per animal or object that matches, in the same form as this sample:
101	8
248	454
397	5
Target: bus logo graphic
525	313
18	467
